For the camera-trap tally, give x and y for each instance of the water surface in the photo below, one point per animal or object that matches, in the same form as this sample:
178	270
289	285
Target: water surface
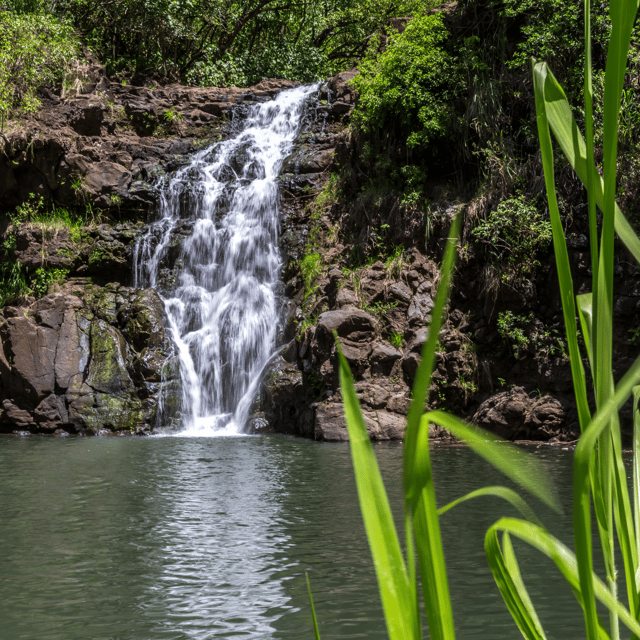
198	538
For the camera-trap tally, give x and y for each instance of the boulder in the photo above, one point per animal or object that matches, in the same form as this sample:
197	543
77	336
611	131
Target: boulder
513	415
330	424
347	322
107	178
87	359
283	399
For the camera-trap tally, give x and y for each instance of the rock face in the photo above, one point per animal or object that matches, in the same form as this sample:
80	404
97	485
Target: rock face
84	360
380	308
93	355
105	147
89	356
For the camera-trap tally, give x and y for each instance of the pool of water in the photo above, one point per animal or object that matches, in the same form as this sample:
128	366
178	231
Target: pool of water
197	538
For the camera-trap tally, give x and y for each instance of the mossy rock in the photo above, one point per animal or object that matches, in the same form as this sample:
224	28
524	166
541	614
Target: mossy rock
107	369
144	328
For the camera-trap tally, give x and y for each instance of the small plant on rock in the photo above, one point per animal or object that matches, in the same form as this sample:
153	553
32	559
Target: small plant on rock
512	329
310	267
396	339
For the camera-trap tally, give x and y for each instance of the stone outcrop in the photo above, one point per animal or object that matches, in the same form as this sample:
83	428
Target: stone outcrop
105	146
381	312
513	415
85	360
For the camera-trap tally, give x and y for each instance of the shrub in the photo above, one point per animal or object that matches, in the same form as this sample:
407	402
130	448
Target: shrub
310	267
515	232
410	84
35	50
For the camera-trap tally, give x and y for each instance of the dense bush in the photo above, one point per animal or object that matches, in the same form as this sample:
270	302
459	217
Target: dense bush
410	84
515	232
35	50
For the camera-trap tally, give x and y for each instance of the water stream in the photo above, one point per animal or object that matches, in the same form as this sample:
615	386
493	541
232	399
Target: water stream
223	314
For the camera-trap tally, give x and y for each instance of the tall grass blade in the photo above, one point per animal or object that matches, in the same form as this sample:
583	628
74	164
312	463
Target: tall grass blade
581	500
636	471
523	469
420	498
496	492
506	573
316	631
559	117
397	592
414	468
588	118
541	80
567	563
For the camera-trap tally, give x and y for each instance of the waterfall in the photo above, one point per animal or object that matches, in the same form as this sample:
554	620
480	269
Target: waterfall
222	311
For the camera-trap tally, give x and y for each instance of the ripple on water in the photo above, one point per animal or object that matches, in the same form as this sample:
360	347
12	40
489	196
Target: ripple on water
200	538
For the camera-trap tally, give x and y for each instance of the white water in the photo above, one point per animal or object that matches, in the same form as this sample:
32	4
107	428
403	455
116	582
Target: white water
223	314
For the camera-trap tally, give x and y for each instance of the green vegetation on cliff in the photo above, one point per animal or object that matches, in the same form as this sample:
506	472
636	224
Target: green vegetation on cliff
35	50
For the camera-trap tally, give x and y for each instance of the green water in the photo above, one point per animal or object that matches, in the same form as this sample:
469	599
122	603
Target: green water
181	538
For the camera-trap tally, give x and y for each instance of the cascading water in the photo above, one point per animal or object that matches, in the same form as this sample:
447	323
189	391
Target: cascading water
223	314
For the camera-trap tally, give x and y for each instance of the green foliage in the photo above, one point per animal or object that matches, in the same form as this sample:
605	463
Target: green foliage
35	51
515	232
13	281
553	30
33	211
410	84
394	263
310	267
28	210
379	308
43	278
223	42
512	329
396	339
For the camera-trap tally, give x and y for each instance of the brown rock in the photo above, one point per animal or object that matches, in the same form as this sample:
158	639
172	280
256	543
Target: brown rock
347	321
72	350
88	119
107	178
17	417
330	424
346	297
33	353
514	415
51	413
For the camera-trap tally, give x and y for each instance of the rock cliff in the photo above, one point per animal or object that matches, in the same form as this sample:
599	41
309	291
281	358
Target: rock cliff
92	354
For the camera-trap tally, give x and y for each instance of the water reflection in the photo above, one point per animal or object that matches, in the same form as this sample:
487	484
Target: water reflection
199	538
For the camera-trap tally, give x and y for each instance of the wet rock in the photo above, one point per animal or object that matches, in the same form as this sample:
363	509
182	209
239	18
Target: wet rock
284	400
17	418
51	413
513	415
330	424
341	88
65	361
